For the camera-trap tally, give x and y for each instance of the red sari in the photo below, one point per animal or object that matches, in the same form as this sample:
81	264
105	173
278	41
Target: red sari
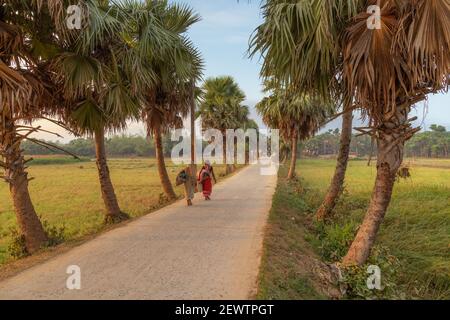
205	179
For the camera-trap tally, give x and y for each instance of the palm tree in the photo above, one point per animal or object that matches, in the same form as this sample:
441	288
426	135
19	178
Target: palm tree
25	46
299	42
169	99
388	70
221	108
97	73
297	118
312	44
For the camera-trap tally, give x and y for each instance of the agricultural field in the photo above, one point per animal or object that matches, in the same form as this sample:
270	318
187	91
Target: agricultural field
66	194
413	245
431	163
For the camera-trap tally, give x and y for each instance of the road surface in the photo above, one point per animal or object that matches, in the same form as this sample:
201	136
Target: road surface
209	251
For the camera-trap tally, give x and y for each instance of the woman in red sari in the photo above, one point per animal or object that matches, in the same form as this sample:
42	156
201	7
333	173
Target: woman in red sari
205	178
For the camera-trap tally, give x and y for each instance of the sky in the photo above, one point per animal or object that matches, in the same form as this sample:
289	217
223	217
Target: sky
222	37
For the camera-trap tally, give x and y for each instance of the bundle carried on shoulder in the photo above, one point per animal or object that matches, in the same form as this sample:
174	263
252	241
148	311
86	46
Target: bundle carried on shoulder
181	177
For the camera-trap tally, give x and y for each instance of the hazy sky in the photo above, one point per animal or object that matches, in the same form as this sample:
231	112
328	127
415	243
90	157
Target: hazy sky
222	36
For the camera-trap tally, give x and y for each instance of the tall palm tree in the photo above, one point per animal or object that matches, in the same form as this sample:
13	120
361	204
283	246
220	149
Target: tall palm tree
169	99
388	70
221	108
26	43
299	41
384	71
97	73
297	117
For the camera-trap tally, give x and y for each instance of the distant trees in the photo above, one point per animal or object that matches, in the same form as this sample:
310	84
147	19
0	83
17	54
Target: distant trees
323	144
429	144
328	143
116	146
81	147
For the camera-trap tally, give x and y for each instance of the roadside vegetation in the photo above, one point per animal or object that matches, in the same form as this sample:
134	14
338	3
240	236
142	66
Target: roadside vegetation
412	249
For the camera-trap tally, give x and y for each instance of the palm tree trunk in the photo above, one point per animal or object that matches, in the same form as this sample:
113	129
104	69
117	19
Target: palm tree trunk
113	212
17	178
235	158
291	174
193	166
247	153
391	139
229	168
337	183
162	170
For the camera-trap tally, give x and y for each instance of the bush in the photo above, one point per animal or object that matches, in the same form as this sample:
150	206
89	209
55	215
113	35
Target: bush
55	234
17	247
354	279
16	244
335	239
163	199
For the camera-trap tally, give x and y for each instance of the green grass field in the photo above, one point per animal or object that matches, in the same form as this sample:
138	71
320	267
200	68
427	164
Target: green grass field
416	230
69	194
